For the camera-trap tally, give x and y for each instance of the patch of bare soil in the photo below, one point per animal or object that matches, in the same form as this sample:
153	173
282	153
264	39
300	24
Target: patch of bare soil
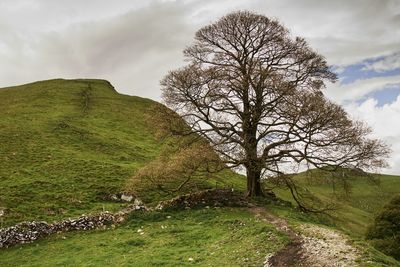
314	246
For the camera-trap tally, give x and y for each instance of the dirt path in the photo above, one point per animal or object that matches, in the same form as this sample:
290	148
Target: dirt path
314	246
291	254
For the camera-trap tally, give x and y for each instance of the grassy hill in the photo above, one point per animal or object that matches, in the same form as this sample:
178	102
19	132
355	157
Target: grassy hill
67	144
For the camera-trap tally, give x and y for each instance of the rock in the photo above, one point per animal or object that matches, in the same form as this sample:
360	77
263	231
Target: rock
127	198
119	197
138	202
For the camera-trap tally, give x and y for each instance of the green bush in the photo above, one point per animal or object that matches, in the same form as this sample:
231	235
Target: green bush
385	232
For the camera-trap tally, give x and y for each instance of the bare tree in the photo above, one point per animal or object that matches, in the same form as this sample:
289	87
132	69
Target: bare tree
254	93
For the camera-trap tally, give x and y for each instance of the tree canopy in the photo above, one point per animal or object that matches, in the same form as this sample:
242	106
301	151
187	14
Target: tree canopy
255	93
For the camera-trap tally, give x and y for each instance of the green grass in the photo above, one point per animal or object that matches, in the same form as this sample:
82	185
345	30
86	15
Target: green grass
65	144
211	237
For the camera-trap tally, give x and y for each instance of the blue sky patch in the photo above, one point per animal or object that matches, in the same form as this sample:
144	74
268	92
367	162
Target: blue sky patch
385	96
361	71
358	71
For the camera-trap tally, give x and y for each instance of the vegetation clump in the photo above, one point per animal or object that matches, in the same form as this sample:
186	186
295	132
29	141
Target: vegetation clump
385	232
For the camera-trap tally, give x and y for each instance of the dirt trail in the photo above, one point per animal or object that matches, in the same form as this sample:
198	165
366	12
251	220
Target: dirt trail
291	254
314	246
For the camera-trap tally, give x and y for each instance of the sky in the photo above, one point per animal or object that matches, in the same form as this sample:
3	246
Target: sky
133	44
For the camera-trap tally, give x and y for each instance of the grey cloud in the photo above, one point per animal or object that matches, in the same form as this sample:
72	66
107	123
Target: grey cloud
134	43
133	50
344	31
359	89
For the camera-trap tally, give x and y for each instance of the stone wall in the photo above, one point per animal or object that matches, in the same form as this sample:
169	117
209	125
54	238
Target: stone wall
210	197
27	232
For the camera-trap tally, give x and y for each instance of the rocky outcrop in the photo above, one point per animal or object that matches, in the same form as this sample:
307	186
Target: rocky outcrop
27	232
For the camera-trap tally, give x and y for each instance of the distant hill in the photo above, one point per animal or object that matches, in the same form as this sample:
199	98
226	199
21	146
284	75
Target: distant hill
67	144
365	197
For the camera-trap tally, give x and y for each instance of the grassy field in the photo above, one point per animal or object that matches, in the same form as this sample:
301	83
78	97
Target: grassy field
66	144
206	237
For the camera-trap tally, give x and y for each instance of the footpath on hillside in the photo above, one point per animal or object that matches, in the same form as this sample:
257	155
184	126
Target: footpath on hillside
311	246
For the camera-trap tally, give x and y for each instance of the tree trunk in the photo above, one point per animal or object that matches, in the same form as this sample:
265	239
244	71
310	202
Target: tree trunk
253	183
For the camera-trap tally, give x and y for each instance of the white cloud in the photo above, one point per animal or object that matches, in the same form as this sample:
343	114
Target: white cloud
358	89
383	120
387	63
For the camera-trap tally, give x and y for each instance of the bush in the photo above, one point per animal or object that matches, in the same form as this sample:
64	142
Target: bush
385	232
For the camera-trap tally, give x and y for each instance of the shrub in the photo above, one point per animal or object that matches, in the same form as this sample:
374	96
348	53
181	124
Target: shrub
385	232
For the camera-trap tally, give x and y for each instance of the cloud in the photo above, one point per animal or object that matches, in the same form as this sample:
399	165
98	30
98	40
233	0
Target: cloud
383	120
359	89
346	32
133	50
134	43
35	16
391	62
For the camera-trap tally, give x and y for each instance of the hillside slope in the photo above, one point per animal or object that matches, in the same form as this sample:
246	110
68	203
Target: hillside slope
65	145
357	206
